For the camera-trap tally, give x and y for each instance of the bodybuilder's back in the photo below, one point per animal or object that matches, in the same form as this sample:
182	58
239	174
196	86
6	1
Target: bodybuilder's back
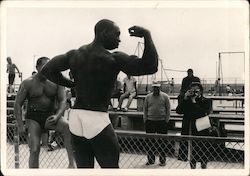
94	71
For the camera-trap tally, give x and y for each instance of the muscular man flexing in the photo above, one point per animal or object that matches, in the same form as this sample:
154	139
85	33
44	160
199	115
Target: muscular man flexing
46	103
95	70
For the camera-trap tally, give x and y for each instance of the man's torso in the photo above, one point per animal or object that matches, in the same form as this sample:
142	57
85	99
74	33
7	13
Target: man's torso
94	73
129	84
157	105
41	95
11	68
187	81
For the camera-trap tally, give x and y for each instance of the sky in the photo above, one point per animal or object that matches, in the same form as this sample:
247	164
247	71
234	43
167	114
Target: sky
185	37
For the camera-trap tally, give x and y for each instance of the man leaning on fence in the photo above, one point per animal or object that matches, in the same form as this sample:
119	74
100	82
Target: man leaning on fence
156	117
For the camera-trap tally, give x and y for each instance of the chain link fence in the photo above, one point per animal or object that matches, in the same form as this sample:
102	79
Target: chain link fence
218	152
52	152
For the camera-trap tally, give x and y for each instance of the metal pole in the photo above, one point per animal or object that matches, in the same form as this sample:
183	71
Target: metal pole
147	85
34	62
219	73
16	146
232	52
216	70
161	70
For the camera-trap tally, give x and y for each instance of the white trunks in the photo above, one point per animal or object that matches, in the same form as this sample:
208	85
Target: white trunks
86	123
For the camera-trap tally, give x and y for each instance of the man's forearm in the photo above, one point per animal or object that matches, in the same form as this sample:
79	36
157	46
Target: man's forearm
18	70
61	109
57	78
52	70
18	114
150	55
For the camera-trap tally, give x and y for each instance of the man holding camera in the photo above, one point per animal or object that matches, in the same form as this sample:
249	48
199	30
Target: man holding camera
194	106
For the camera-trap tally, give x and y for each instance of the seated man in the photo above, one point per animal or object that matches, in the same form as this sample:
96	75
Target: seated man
129	92
46	104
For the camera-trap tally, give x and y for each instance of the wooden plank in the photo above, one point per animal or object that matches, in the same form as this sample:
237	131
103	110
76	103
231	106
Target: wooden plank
229	98
233	110
226	121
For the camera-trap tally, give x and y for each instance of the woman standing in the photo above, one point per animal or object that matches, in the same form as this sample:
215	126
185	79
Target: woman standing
194	106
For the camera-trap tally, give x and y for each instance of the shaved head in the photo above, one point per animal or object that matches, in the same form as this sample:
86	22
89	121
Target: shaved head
107	33
103	25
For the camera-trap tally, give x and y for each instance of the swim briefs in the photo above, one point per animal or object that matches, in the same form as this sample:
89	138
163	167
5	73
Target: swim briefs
86	123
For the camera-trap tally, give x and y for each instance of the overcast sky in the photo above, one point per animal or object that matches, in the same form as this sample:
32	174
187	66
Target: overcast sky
184	37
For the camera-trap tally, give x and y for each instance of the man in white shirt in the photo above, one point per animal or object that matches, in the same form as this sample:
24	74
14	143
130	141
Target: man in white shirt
129	92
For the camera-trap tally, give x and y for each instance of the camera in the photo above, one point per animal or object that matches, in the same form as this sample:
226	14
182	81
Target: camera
193	93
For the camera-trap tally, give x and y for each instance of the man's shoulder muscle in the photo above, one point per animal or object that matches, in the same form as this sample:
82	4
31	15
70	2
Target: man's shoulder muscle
74	55
27	83
165	95
24	87
149	95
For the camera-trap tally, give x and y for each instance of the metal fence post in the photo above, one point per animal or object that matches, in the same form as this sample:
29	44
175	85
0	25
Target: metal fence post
16	146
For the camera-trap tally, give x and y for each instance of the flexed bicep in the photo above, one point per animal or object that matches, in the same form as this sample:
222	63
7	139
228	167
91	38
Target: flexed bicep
132	65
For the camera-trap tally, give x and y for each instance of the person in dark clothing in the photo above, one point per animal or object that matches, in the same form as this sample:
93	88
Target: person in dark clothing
188	80
194	106
117	92
186	83
72	89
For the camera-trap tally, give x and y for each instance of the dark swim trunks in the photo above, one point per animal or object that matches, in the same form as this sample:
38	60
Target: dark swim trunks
39	116
11	78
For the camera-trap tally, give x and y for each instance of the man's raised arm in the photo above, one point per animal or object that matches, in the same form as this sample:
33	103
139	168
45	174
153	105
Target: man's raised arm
135	66
52	70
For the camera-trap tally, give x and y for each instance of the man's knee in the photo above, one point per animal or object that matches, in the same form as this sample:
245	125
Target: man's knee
62	126
131	96
34	149
122	97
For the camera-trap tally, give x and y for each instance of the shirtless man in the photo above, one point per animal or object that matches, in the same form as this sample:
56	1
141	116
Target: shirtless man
95	71
46	104
11	68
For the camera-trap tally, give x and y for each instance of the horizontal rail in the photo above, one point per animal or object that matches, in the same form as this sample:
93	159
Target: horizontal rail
211	97
234	110
179	137
140	113
229	98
